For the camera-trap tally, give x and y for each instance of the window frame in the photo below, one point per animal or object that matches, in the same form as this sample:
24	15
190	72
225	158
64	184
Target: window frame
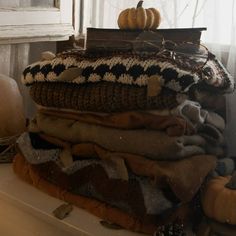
34	24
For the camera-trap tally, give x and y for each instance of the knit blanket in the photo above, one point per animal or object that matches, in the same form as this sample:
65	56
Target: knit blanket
80	67
100	97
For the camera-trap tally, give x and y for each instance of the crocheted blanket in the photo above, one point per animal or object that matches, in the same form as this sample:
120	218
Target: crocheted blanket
81	67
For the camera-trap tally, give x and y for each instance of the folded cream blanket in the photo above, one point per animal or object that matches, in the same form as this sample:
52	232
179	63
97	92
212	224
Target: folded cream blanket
148	143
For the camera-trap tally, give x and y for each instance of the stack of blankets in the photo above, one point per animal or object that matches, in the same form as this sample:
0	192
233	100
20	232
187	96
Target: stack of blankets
131	138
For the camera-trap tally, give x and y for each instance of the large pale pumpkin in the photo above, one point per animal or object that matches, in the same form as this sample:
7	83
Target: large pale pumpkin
12	119
139	18
219	199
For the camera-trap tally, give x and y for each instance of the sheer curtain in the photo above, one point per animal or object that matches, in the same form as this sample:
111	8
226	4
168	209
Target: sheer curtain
15	57
231	101
217	15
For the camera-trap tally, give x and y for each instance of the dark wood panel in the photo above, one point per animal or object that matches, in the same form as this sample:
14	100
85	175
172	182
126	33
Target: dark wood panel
123	40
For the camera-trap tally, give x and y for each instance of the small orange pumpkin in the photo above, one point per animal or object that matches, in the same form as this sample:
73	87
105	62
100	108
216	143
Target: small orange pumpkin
139	18
219	199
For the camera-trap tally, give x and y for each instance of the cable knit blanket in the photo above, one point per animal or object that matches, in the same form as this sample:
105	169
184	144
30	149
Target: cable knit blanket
80	67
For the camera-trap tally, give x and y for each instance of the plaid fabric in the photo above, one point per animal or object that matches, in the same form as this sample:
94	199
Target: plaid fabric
100	97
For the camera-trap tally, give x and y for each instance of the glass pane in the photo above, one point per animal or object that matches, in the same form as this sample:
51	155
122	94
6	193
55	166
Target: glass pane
174	14
12	3
27	3
42	3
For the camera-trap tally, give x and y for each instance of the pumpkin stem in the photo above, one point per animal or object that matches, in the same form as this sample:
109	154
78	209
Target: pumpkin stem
140	4
232	183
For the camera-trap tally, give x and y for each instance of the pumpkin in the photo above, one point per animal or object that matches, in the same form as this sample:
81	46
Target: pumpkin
139	18
219	199
12	118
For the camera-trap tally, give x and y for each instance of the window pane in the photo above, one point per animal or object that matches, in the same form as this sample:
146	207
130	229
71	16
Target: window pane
42	3
218	16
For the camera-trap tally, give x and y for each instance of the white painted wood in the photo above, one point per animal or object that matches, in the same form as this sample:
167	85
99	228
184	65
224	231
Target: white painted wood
33	17
31	201
27	3
34	33
32	24
37	15
66	10
15	222
76	18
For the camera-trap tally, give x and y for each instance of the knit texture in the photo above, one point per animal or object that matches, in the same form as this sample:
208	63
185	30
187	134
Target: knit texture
129	69
100	97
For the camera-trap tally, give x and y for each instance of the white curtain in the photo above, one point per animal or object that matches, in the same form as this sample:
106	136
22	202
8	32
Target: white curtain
231	101
15	57
219	16
216	15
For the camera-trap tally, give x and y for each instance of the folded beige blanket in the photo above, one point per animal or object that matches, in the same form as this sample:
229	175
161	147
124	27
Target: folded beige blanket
171	124
149	143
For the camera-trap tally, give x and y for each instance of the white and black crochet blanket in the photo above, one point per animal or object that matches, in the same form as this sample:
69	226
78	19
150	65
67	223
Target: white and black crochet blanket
128	69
